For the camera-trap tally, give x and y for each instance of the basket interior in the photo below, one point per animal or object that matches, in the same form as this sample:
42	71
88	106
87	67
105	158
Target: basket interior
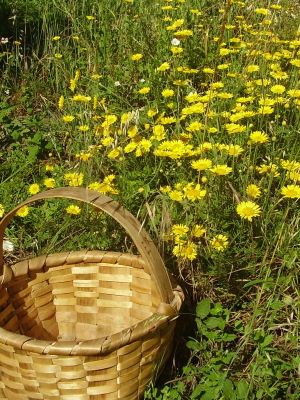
79	301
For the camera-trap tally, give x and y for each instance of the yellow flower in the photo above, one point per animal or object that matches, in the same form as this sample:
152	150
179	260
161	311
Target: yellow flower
290	165
202	164
1	210
176	50
235	128
224	52
253	68
189	250
108	140
109	120
179	230
193	192
294	176
248	210
163	67
34	188
259	137
221	169
266	101
74	179
22	212
90	17
57	55
56	38
114	153
183	33
253	191
49	167
225	95
219	242
263	11
68	118
75	210
265	110
268	169
84	156
176	195
80	97
208	70
152	112
159	132
195	126
234	150
136	57
96	76
167	93
165	189
83	128
61	102
291	191
72	84
144	90
198	231
49	182
262	82
294	92
278	89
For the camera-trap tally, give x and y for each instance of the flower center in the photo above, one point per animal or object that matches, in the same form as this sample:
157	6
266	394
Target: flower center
248	211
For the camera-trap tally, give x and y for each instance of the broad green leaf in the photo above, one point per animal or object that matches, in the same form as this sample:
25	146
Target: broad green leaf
228	390
227	337
193	345
214	322
276	305
267	340
242	389
210	394
203	308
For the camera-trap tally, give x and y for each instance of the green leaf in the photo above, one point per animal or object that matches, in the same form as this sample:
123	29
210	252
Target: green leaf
256	281
276	305
228	337
228	390
210	394
214	322
212	335
193	345
267	340
242	389
203	308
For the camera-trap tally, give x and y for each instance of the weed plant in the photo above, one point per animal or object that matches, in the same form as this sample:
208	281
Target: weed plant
187	113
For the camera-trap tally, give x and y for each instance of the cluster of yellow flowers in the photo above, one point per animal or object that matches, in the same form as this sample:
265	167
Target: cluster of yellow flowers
206	121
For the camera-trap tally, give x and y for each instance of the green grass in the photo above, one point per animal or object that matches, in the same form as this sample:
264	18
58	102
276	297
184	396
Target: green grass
237	64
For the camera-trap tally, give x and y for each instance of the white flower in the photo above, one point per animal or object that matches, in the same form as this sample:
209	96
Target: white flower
7	245
142	80
117	83
175	42
3	40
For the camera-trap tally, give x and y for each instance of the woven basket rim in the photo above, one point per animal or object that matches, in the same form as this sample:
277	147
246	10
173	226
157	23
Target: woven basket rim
164	314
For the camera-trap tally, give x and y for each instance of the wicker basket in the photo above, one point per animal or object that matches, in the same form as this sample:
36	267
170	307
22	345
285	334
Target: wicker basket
85	325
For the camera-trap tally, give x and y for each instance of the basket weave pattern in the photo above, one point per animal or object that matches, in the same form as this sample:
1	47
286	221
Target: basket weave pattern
85	325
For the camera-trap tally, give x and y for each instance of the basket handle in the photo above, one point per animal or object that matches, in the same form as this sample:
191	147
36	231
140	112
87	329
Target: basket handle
139	236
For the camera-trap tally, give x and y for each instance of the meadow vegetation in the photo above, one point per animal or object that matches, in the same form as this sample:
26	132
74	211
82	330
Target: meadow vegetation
187	113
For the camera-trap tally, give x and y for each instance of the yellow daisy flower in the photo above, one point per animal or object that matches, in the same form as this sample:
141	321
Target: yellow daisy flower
248	210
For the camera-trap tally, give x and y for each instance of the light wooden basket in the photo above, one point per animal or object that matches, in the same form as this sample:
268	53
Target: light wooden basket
85	325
